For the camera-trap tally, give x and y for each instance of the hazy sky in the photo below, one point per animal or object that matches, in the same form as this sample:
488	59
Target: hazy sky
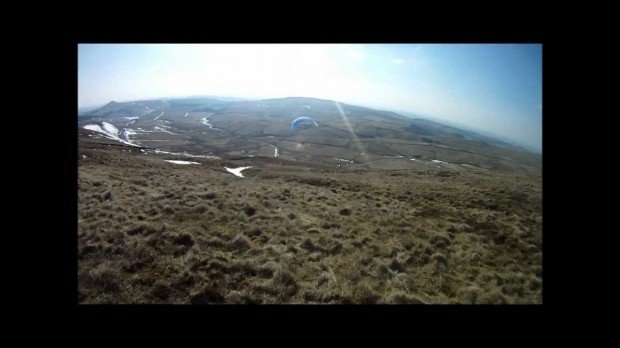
493	88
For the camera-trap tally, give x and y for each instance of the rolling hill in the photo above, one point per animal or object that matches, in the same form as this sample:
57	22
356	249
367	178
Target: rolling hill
209	201
363	136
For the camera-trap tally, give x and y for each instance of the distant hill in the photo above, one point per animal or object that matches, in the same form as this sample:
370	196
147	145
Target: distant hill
144	107
127	109
359	136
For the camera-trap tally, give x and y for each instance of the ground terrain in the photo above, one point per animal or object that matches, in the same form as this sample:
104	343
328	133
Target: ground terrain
371	207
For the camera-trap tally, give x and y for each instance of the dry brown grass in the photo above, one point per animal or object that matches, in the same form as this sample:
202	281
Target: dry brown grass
153	232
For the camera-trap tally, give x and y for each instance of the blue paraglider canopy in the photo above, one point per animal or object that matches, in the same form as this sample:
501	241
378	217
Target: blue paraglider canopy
301	121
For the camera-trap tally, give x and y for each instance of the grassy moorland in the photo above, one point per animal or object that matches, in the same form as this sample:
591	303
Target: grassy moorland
150	231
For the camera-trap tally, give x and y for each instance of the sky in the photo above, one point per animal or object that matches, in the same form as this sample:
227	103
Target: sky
495	88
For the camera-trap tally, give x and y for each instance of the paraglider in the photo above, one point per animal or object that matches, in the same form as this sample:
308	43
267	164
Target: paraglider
302	122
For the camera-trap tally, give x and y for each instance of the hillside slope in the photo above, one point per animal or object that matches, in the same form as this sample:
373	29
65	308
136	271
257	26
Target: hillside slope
151	231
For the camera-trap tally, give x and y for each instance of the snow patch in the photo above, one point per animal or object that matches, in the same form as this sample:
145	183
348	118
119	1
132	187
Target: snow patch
148	109
127	133
94	127
185	154
236	171
181	162
110	128
205	121
109	131
155	140
162	130
275	151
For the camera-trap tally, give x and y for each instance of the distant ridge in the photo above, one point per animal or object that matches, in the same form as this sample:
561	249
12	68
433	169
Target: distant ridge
368	123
